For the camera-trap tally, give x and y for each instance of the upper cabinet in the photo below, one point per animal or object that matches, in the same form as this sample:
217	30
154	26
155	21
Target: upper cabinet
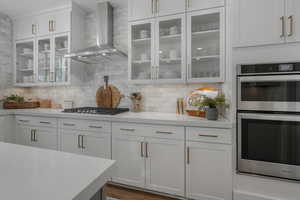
145	9
169	7
41	41
140	9
203	4
181	41
266	22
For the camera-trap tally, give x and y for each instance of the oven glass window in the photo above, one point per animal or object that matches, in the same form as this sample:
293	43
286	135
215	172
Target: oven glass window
271	141
271	91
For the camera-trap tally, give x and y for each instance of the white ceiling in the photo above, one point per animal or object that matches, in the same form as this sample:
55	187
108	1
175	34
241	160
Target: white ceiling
22	7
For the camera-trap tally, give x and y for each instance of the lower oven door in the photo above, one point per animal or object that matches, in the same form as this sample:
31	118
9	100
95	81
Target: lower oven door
269	93
269	144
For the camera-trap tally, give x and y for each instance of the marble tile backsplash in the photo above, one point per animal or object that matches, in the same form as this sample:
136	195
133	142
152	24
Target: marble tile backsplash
160	98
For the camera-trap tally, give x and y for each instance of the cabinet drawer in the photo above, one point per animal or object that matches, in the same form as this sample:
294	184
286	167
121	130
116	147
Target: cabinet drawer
37	121
209	135
145	130
86	125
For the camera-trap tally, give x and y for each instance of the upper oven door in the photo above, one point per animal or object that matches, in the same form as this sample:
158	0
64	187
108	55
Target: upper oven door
269	93
269	144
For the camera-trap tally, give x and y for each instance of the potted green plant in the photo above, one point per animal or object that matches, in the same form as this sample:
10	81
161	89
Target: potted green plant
211	105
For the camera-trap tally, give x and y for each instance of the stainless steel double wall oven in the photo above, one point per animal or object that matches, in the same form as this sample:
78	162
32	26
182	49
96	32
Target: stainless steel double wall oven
268	119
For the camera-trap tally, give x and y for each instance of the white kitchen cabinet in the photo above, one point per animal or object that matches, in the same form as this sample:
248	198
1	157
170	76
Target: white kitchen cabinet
165	166
141	51
140	9
97	145
7	131
41	137
146	156
157	50
203	4
169	7
70	141
39	59
206	45
259	22
170	62
209	171
128	153
25	28
293	20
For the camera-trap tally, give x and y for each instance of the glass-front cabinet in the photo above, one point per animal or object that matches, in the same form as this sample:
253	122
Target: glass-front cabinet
206	46
141	58
41	61
24	62
170	48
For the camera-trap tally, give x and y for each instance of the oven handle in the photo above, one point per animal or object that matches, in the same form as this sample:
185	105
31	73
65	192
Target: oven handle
269	78
275	117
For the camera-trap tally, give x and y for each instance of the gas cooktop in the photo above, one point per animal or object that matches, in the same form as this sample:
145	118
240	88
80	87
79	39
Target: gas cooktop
96	110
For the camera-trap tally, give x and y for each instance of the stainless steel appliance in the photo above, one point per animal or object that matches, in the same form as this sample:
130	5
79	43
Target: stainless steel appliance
268	120
96	110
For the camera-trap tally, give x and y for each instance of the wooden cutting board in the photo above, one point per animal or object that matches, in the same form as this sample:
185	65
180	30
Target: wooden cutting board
108	97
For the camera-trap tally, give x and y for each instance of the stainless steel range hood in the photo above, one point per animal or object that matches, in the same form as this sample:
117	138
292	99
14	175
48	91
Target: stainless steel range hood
103	49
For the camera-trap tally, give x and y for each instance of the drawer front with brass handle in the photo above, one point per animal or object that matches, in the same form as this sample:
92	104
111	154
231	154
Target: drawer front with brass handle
85	125
212	135
147	130
37	121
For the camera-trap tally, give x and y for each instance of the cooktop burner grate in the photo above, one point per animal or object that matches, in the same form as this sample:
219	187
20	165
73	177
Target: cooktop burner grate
96	110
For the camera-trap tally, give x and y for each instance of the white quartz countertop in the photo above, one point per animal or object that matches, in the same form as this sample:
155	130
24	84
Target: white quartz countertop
131	117
37	174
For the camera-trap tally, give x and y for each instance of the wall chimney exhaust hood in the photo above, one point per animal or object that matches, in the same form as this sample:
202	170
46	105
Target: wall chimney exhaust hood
103	49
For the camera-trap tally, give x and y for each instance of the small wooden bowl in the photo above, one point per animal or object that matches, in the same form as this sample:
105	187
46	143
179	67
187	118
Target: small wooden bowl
196	113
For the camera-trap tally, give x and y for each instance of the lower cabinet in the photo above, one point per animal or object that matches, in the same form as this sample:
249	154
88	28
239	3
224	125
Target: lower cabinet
87	143
209	167
41	137
7	129
149	162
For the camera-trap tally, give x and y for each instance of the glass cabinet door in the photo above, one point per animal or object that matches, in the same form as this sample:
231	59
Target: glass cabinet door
206	45
25	62
61	64
44	60
141	55
170	48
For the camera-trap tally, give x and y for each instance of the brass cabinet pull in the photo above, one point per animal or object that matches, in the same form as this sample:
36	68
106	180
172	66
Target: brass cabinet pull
99	127
142	149
126	129
188	4
33	29
34	137
45	122
53	25
66	124
291	18
49	26
164	132
157	6
78	141
282	27
211	136
82	146
31	135
188	155
152	6
24	121
147	153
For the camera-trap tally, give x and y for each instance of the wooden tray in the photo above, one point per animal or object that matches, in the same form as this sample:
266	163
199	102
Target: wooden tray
25	105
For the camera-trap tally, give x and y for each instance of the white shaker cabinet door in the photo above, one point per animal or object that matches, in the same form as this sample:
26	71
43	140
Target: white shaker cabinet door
293	20
203	4
24	136
170	7
97	145
165	166
140	9
209	171
45	25
130	166
259	22
46	138
24	28
70	142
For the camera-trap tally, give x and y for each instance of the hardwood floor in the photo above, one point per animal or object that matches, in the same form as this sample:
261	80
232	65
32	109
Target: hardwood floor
128	194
